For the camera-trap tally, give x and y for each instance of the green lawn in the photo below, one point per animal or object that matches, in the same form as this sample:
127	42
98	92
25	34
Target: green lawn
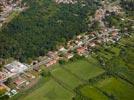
118	88
84	69
66	77
92	93
49	91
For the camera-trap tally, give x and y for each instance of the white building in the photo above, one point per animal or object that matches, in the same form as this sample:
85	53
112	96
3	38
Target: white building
16	67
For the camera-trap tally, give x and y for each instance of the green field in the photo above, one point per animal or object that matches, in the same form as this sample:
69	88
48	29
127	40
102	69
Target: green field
49	91
84	69
117	88
66	77
92	93
128	75
115	50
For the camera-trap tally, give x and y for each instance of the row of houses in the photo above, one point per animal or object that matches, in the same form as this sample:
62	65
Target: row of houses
66	1
82	45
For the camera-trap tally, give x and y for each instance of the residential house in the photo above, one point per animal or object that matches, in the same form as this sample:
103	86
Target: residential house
69	55
81	50
3	77
51	62
92	44
19	81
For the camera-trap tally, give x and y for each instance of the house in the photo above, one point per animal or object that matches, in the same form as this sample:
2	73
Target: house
98	41
51	62
3	77
62	50
79	43
79	36
69	55
51	54
19	81
114	33
66	1
37	68
81	50
99	14
92	44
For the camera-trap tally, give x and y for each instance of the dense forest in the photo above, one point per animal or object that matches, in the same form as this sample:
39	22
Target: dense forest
43	26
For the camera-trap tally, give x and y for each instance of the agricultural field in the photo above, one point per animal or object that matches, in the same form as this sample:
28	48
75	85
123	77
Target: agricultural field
92	93
51	90
67	78
84	69
117	88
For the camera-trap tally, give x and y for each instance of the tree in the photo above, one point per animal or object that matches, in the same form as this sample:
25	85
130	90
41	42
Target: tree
9	80
43	73
1	66
62	62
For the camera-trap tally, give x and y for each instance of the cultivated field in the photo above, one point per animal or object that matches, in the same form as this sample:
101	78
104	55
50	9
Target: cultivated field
84	69
50	91
117	88
67	78
92	93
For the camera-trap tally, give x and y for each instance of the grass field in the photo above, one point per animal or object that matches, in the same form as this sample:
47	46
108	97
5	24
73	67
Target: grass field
118	88
115	50
84	69
129	75
66	77
50	91
92	93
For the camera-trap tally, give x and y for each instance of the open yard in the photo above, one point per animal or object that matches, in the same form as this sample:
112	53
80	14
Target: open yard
50	91
117	88
84	69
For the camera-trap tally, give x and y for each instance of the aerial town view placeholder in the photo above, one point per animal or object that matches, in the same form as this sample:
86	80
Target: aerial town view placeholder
66	49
